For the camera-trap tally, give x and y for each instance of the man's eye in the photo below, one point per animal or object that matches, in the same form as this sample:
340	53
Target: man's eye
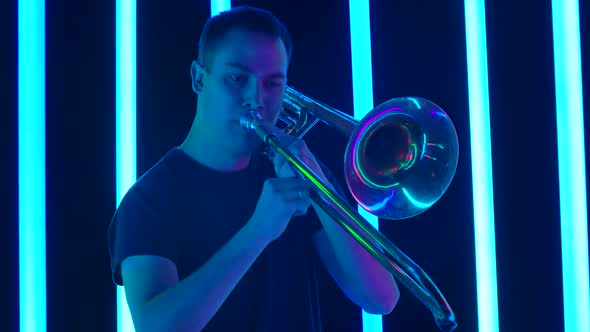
274	84
237	77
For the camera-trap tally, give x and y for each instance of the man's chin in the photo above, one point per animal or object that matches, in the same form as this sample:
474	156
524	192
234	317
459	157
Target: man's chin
254	145
245	141
247	144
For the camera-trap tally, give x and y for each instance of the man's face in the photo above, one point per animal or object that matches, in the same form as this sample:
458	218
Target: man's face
247	71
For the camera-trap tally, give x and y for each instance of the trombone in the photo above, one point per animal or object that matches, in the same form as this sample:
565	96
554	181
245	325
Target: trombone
400	159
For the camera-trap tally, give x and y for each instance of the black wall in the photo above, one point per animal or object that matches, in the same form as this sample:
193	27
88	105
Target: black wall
418	49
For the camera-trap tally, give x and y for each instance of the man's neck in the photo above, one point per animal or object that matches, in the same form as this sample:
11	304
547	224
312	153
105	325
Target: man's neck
214	154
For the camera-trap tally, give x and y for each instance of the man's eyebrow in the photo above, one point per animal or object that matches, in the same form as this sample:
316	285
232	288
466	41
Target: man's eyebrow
246	69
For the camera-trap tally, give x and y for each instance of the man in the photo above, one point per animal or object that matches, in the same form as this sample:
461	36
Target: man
205	239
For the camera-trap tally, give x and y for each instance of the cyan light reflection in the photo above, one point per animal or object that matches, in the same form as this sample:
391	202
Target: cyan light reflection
423	150
415	102
415	202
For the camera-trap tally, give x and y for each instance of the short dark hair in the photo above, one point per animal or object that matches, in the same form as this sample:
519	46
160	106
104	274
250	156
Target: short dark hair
247	18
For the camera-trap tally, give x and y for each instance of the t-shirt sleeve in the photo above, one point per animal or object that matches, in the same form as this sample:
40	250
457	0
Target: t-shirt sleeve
141	226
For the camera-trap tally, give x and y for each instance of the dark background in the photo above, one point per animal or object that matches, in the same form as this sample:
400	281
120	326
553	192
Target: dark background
418	49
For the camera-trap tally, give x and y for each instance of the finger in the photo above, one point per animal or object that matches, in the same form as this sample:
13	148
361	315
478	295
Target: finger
300	213
288	140
286	170
292	184
292	188
297	195
302	207
283	168
294	145
289	182
278	162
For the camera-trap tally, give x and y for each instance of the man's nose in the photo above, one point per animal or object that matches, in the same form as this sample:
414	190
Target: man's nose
254	94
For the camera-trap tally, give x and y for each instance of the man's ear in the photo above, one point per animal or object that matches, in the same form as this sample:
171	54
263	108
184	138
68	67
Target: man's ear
197	71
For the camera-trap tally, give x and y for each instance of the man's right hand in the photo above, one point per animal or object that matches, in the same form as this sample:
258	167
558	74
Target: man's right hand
280	200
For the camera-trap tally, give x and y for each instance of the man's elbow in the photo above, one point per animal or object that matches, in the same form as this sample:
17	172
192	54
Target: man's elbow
381	307
383	303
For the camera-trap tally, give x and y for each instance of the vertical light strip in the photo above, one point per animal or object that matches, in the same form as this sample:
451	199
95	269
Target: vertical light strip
571	156
217	6
481	169
126	117
31	165
362	89
125	122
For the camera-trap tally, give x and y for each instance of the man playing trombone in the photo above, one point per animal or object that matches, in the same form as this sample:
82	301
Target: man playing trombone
212	237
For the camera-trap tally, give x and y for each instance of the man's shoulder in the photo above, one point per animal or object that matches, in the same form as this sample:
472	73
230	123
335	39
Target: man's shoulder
158	181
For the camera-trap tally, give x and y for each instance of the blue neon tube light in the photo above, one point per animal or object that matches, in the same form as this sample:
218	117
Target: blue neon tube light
31	165
571	162
481	160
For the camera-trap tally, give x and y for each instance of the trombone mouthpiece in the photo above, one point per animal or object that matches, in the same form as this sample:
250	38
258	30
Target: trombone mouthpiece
248	120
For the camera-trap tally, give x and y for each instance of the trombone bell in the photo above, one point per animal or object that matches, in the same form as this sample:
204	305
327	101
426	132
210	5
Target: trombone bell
400	158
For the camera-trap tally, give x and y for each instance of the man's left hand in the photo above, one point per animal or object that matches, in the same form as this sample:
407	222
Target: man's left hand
299	149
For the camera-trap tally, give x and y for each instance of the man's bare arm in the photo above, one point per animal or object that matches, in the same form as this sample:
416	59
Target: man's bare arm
159	302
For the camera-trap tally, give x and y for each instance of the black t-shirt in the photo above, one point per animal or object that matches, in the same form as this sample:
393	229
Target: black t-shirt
185	211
